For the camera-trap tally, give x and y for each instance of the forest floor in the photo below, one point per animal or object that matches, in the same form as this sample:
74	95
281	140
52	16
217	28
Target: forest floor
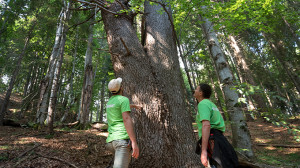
22	147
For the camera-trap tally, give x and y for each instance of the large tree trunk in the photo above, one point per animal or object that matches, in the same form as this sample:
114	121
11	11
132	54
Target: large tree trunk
86	94
15	73
56	79
46	83
240	132
153	79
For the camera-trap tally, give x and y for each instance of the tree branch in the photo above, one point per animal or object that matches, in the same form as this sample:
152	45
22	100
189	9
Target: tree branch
35	146
48	157
122	5
84	21
98	4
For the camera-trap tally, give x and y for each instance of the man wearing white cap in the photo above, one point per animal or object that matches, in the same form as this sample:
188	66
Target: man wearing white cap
121	138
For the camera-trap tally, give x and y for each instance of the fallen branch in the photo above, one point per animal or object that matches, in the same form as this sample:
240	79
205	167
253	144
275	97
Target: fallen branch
48	157
21	160
280	145
31	149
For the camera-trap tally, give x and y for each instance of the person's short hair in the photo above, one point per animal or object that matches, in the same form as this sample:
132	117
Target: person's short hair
206	90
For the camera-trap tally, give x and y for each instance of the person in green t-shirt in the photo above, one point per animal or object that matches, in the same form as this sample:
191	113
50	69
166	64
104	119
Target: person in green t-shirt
121	138
210	131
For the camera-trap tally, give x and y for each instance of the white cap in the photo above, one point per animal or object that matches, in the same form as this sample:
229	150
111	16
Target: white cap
114	85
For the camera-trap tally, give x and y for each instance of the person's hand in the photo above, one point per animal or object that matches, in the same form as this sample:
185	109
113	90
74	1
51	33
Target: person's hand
204	158
135	150
138	107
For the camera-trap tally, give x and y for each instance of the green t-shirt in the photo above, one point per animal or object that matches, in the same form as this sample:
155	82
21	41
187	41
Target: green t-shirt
115	106
207	110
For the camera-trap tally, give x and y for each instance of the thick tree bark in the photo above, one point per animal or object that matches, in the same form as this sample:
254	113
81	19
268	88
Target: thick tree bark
86	94
153	79
15	73
240	132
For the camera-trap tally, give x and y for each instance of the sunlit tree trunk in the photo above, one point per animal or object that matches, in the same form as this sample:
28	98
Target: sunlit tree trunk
86	93
240	131
152	78
246	72
46	83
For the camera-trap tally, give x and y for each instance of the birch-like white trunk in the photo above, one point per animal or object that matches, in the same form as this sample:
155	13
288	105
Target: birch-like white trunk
46	83
56	78
241	136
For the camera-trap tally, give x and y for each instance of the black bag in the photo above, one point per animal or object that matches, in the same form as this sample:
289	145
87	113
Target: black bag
220	152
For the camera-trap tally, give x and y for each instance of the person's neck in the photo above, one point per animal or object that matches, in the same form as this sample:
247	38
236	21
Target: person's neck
117	94
200	99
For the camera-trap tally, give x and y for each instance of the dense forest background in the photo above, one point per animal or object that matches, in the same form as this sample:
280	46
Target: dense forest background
59	56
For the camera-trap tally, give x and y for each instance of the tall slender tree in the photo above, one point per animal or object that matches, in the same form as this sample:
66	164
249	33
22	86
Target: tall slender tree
240	132
86	93
56	78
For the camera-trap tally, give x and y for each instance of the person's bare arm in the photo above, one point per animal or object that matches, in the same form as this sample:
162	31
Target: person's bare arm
135	106
205	137
129	128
